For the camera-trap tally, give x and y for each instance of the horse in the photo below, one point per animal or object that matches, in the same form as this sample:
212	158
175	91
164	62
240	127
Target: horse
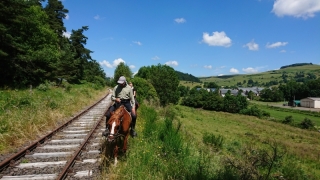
119	125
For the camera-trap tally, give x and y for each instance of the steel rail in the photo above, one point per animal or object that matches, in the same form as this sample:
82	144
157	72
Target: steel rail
72	160
23	152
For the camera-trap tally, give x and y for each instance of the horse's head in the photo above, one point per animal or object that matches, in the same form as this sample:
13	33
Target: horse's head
114	124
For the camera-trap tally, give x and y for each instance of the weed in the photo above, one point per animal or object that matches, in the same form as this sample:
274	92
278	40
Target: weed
211	139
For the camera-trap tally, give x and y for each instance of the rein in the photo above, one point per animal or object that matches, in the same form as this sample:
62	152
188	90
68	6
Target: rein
118	135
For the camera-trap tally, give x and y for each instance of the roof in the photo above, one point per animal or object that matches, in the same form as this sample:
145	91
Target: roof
312	98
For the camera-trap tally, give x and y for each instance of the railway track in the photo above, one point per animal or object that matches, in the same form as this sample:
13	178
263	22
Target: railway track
71	151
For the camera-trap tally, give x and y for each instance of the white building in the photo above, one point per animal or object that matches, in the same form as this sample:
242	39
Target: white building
310	102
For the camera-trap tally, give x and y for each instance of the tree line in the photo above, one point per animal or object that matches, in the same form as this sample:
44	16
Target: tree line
34	49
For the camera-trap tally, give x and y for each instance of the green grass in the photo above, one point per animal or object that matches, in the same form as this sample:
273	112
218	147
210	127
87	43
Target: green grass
26	115
279	113
263	77
201	144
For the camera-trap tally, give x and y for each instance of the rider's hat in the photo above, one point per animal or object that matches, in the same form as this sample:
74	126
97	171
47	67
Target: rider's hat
122	79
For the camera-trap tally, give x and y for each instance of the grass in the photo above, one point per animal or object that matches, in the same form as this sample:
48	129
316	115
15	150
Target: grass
263	77
279	113
190	84
202	144
27	115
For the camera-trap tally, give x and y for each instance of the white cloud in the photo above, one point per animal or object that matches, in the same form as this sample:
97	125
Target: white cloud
220	74
105	63
155	58
250	70
172	63
296	8
208	66
233	70
114	64
277	44
137	42
180	20
283	51
67	17
66	34
132	66
217	39
252	46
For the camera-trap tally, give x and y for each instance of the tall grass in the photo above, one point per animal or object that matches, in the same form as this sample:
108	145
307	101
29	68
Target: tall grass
178	142
28	114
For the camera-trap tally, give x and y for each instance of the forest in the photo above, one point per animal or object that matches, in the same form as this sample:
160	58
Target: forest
34	48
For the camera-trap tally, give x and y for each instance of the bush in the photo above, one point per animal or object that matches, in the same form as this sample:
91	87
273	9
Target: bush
211	139
43	87
253	111
307	124
288	120
145	90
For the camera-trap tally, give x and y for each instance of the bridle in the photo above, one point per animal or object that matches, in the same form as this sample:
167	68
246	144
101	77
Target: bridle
117	134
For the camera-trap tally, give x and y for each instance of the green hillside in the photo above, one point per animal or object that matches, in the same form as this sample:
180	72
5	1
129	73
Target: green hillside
262	79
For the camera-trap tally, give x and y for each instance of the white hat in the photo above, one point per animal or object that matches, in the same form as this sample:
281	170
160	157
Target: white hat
122	79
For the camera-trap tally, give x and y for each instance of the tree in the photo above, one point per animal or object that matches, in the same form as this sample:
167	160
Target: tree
28	45
122	70
165	80
145	90
56	13
82	54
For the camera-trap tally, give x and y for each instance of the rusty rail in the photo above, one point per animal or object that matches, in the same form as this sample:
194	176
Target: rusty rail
23	152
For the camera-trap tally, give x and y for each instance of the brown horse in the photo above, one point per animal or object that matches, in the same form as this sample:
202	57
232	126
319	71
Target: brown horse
119	125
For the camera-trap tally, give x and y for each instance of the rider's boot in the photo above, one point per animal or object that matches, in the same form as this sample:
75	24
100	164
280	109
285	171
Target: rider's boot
133	133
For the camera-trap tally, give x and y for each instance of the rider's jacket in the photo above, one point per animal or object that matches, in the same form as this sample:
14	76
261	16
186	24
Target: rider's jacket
124	93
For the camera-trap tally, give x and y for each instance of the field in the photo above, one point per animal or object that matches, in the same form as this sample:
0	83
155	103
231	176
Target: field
152	153
264	77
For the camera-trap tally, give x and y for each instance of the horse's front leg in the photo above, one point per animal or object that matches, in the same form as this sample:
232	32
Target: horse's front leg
124	149
115	154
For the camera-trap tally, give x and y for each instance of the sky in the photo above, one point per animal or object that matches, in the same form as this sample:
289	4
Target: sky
199	37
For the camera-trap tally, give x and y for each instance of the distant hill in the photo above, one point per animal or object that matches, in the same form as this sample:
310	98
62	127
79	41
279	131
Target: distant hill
296	64
187	77
299	72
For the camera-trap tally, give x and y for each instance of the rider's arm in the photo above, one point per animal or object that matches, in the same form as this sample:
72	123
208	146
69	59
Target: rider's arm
113	96
132	98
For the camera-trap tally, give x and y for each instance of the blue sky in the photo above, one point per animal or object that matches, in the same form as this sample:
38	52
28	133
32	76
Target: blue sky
203	37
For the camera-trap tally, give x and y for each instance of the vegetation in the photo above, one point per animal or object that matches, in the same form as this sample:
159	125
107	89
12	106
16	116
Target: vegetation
296	64
165	81
28	114
187	77
122	70
33	48
178	142
302	73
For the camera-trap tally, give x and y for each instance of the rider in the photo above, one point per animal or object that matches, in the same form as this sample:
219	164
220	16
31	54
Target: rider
134	94
123	94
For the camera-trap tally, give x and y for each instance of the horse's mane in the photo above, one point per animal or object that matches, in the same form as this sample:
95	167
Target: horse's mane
119	112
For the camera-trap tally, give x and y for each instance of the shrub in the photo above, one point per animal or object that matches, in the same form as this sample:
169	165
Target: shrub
211	139
43	87
307	124
288	120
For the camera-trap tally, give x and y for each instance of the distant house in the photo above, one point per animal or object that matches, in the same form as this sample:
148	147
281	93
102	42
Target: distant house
255	90
233	92
310	102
